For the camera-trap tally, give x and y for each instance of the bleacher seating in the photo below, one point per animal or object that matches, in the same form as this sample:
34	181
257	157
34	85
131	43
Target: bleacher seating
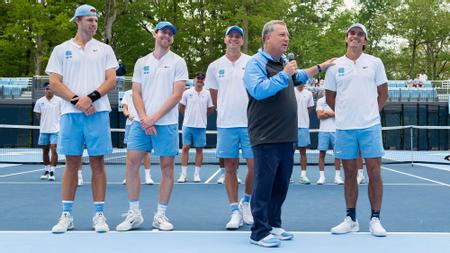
13	87
399	92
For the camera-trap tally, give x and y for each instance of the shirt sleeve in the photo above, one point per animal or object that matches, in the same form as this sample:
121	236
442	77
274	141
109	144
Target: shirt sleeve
55	63
111	60
259	85
319	106
183	100
310	100
210	79
137	72
37	107
126	98
330	79
210	103
380	75
181	71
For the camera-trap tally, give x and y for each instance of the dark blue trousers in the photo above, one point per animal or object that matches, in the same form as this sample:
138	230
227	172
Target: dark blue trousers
273	169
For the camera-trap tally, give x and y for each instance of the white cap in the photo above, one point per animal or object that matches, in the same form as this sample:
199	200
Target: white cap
360	26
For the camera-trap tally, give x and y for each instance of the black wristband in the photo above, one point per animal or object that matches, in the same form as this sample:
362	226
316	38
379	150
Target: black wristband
74	100
95	95
319	68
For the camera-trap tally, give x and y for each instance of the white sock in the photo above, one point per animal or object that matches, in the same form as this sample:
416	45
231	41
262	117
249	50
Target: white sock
134	205
197	171
338	173
360	172
52	168
47	167
147	172
303	173
80	173
322	174
184	170
161	210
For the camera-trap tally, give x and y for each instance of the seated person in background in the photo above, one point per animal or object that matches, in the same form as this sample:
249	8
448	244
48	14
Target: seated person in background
417	83
409	82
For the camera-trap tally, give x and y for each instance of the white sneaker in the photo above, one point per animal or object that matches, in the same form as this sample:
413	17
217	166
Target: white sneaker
376	228
221	179
133	220
291	181
51	176
361	179
182	178
65	223
246	212
45	175
149	180
124	181
235	222
80	181
321	181
281	234
304	180
338	180
161	222
268	241
197	178
99	223
239	180
347	226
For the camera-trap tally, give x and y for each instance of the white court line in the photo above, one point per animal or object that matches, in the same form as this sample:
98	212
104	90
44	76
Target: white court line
441	167
212	177
26	172
155	231
418	177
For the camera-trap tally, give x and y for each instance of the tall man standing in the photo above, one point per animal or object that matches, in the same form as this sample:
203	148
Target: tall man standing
159	79
196	104
224	80
82	71
272	125
48	111
356	89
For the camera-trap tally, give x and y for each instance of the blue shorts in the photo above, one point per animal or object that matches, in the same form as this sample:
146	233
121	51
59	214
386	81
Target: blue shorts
164	143
194	137
303	138
127	132
326	140
230	140
78	130
368	140
48	138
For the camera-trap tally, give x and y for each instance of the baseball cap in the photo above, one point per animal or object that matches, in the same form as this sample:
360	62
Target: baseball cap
84	10
234	28
46	85
166	25
360	26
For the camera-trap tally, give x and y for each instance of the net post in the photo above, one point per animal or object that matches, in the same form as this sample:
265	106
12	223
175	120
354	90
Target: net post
411	143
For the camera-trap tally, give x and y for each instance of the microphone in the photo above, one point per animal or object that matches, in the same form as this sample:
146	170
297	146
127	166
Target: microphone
291	57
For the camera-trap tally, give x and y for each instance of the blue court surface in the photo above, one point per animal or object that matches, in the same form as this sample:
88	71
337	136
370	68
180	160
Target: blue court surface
415	213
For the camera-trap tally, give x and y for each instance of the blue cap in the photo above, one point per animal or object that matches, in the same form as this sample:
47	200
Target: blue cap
235	28
84	10
166	25
46	85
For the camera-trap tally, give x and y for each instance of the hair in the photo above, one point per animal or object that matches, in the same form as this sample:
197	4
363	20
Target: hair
268	27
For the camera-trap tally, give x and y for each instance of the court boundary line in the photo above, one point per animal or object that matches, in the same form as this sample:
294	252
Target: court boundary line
415	176
212	177
207	232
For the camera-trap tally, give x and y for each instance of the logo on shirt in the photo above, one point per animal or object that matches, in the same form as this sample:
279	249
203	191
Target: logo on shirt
68	54
146	70
94	50
221	72
365	67
166	67
341	71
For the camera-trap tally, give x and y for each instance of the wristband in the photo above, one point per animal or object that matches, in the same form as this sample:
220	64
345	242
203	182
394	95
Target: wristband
95	95
319	68
74	100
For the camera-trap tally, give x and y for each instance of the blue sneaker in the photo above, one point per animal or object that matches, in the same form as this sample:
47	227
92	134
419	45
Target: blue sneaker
268	241
281	234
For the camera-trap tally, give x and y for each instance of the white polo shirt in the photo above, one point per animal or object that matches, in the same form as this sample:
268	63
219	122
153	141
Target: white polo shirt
50	111
127	99
197	104
304	101
328	124
157	79
83	70
355	84
232	98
